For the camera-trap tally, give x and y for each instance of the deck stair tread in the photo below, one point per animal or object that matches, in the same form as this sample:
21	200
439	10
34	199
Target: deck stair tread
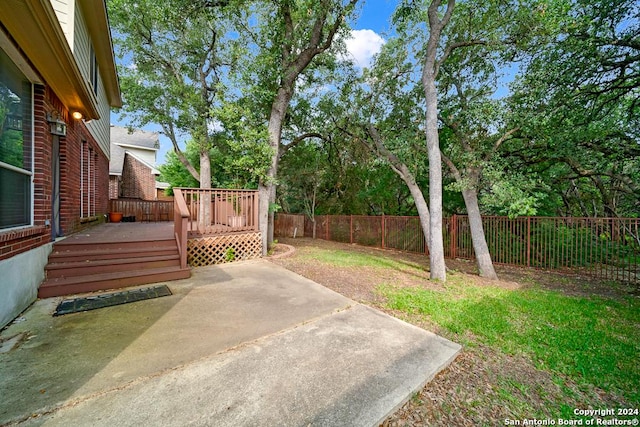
114	280
62	264
87	267
57	281
83	246
71	242
110	253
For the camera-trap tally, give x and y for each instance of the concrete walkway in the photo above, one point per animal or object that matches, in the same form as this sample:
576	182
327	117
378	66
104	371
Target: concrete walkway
242	344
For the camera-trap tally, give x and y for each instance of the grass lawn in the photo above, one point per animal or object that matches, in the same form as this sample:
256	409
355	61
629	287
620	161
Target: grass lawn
594	342
535	346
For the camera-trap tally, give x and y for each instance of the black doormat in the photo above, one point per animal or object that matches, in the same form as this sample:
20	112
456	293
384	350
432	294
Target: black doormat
107	300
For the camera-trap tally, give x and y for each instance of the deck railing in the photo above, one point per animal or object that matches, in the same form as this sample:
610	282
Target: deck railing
217	211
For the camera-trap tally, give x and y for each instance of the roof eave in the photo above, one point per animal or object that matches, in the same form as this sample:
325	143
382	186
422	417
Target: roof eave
34	26
141	147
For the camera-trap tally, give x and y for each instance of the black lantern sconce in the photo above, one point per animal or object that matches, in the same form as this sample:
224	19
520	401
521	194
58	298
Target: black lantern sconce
57	125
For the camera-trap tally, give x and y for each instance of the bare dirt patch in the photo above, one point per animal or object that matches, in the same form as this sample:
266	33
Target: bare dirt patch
482	386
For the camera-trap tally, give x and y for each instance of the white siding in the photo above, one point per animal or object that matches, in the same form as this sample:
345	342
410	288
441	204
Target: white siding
82	51
100	129
65	11
82	44
148	156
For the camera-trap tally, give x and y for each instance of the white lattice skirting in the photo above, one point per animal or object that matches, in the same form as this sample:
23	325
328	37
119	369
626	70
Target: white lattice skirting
211	250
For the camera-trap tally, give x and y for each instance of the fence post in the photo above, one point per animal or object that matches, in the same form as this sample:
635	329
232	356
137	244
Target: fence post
454	236
382	228
528	241
351	229
327	227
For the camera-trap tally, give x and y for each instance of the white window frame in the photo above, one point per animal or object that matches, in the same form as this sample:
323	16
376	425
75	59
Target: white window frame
32	160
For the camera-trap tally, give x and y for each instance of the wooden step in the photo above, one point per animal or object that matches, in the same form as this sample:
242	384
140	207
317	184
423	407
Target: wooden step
77	266
104	253
70	245
88	267
96	282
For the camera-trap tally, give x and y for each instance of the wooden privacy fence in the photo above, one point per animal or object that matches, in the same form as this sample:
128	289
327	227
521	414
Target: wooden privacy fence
143	210
290	226
607	248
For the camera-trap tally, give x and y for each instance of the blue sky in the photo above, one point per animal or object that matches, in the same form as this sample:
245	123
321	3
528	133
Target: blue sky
376	15
366	40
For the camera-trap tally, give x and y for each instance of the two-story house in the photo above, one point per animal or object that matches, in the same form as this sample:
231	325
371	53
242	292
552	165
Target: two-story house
132	169
57	83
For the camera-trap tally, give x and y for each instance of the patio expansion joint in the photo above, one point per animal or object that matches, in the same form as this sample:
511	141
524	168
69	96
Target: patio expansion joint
49	410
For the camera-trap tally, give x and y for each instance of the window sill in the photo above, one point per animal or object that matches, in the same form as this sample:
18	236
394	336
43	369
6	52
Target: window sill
21	233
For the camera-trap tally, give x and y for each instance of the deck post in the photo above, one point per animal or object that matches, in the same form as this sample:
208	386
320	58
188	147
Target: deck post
256	207
180	220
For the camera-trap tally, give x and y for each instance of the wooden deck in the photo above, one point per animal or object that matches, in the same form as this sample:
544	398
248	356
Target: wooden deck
122	232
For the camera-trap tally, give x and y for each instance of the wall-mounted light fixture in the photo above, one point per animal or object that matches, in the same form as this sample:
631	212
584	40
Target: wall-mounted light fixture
77	115
57	126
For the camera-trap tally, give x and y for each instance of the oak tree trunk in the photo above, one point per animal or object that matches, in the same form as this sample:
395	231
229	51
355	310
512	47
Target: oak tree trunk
483	257
437	265
204	217
421	206
403	172
438	270
267	186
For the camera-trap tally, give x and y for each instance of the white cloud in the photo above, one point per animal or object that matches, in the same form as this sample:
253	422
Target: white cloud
362	45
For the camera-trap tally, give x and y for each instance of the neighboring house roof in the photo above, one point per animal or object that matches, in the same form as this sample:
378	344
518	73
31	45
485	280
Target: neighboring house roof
125	142
34	26
135	138
162	185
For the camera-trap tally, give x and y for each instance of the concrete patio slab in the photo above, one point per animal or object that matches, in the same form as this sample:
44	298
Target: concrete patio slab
241	344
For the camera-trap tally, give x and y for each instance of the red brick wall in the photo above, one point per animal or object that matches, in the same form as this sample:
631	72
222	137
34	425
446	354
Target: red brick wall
18	241
82	163
137	180
13	242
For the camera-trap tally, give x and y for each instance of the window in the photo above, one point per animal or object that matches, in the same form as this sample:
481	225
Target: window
88	161
94	71
16	147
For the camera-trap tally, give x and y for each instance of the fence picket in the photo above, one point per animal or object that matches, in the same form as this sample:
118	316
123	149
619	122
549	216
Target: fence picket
606	248
143	210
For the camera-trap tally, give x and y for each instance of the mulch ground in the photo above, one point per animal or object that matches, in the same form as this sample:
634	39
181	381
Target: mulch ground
478	387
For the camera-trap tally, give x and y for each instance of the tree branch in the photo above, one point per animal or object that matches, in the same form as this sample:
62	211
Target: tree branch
499	142
317	44
169	131
452	167
450	48
298	139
